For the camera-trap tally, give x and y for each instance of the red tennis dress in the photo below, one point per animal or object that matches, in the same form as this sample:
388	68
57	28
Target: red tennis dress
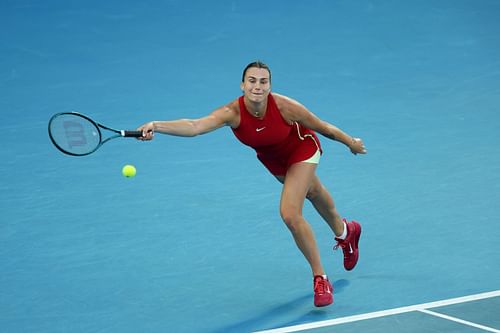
277	143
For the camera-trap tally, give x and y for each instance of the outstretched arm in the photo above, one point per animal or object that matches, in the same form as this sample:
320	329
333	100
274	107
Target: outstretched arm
223	116
294	111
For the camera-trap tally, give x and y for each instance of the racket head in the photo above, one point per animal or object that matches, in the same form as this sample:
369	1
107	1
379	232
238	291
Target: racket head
74	133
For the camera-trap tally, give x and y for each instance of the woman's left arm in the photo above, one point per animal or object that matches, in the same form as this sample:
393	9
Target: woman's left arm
294	111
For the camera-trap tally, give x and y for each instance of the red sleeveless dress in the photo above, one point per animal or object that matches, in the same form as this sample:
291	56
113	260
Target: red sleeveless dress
277	143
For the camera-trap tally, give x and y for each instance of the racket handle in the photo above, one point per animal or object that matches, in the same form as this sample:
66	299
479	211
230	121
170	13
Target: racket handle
131	134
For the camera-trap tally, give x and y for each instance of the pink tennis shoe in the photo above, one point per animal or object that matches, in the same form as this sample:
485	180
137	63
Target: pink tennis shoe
323	291
349	245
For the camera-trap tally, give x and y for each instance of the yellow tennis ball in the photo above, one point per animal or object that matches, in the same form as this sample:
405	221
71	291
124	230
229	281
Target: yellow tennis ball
129	170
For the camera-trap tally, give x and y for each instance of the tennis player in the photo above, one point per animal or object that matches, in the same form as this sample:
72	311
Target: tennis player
283	133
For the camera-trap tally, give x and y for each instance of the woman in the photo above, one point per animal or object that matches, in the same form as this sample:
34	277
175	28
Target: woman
282	132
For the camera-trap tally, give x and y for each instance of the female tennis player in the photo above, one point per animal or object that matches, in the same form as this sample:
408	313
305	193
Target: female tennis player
283	134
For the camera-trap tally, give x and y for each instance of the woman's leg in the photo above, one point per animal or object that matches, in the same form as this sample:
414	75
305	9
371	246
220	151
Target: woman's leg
347	234
322	201
296	185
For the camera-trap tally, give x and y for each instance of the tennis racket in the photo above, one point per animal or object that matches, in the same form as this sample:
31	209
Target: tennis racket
76	134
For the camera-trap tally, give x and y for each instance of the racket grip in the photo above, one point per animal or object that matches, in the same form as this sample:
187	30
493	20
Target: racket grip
131	134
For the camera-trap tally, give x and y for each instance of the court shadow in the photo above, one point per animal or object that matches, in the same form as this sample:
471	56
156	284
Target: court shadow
270	317
339	285
261	319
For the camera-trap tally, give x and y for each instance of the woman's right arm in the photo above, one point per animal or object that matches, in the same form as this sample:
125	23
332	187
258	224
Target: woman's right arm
226	115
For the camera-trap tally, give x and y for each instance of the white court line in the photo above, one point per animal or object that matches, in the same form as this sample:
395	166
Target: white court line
461	321
383	313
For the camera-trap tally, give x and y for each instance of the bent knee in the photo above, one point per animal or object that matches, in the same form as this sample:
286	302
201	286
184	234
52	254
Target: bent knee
291	218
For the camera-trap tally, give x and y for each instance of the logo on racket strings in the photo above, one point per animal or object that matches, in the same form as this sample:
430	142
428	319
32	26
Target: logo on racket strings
75	133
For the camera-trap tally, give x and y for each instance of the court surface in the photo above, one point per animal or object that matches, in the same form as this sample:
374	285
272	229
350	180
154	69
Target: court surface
194	242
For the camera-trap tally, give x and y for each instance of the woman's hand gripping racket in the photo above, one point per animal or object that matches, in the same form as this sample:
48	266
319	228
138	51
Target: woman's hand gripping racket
77	135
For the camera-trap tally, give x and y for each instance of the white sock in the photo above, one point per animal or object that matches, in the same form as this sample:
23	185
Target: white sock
344	233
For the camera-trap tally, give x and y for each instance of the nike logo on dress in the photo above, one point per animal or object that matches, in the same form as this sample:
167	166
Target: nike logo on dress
260	129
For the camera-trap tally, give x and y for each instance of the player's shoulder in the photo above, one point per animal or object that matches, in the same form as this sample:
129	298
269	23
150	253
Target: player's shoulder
289	107
232	109
229	113
285	102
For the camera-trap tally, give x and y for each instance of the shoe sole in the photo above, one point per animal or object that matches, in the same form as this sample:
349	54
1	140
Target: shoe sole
323	305
356	242
359	235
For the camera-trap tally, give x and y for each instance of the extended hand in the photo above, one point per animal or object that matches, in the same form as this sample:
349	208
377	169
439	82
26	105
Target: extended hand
357	146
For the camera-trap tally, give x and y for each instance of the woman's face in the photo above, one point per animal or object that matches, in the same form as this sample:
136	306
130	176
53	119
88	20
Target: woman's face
257	85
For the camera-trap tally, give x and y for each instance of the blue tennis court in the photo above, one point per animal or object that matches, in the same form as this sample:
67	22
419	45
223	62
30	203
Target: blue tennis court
194	242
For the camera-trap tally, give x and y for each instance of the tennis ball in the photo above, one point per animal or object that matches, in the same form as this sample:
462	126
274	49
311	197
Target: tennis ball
129	171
